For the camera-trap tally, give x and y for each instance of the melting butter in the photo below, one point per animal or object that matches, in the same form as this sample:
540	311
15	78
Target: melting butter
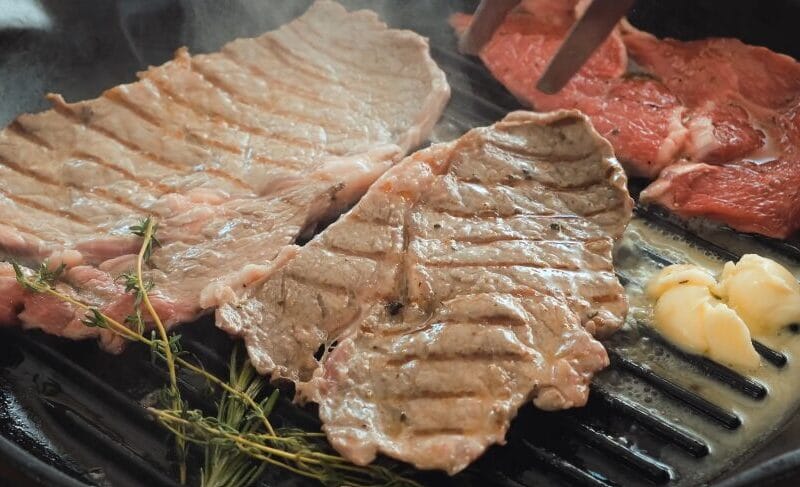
761	420
689	315
756	296
764	293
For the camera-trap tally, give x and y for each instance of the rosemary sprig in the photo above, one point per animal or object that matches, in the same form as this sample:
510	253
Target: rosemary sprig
240	441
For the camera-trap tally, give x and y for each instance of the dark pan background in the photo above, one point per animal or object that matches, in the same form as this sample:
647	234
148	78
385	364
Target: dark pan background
78	48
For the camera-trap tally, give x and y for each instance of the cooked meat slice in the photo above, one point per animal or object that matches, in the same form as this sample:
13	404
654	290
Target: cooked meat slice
237	153
467	281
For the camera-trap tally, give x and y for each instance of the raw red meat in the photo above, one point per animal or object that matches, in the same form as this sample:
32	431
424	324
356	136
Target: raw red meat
643	121
522	46
743	104
728	114
758	198
716	69
719	133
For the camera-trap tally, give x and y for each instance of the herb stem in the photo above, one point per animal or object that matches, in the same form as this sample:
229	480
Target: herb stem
162	331
144	252
312	464
116	326
309	458
244	397
165	416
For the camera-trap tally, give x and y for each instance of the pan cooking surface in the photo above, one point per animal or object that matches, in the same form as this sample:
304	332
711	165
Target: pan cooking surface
656	417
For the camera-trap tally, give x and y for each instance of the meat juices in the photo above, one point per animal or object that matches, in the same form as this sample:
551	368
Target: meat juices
236	153
467	281
714	121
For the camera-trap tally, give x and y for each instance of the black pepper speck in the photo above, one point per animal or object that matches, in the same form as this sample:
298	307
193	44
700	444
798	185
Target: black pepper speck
394	307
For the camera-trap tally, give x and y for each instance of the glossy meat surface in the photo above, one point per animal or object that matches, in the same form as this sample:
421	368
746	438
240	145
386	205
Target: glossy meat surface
469	280
236	153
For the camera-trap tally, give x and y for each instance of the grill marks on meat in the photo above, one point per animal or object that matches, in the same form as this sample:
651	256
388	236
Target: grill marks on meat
237	153
463	284
714	121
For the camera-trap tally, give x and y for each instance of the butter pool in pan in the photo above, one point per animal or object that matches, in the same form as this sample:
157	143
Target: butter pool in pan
766	396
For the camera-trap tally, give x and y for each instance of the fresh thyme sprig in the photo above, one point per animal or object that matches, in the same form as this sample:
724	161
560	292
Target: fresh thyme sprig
290	450
146	229
164	347
240	441
42	278
99	319
95	319
225	466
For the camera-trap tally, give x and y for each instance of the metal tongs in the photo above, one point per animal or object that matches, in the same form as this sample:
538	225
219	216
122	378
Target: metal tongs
586	35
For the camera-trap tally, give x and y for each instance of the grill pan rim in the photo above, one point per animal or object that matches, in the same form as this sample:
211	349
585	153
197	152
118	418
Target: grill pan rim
34	470
41	473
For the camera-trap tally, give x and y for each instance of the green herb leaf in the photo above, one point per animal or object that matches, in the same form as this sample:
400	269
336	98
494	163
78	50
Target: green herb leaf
43	279
147	229
23	280
95	319
135	321
47	276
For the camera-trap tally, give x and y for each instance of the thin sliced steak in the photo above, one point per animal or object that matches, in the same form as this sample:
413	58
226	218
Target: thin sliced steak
237	153
757	198
467	281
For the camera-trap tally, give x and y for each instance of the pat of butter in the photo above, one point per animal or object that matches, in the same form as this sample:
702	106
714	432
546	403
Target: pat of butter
764	293
679	274
688	315
756	296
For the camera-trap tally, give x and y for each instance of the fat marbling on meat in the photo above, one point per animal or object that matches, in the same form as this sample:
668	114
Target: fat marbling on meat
469	280
236	153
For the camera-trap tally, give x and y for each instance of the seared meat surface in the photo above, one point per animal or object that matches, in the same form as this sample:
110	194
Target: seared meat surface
468	280
236	153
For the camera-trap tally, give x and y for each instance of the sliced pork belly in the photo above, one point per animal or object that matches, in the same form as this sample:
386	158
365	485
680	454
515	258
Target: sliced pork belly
467	281
236	153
